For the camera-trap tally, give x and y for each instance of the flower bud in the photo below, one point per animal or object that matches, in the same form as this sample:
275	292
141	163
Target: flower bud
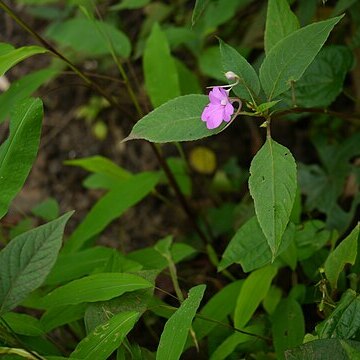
230	75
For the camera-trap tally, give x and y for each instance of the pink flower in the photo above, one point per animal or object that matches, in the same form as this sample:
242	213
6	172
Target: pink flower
219	109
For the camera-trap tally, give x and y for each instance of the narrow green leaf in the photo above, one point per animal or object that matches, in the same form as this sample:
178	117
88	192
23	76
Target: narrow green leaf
253	291
272	299
161	77
288	326
280	22
199	8
177	120
26	261
273	187
249	85
290	57
23	88
90	37
106	338
110	207
344	321
18	152
173	337
12	57
23	324
345	253
92	288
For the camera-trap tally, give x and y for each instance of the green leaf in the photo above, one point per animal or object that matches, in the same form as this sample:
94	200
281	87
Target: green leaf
47	210
252	293
344	321
280	22
351	352
345	253
90	37
272	299
273	186
23	324
92	288
249	247
23	88
288	326
110	207
12	57
188	81
106	338
325	349
289	58
177	120
18	152
26	261
173	337
249	85
161	77
221	305
323	80
199	8
129	5
210	63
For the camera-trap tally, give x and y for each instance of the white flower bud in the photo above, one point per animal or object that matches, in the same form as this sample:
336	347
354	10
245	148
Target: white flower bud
230	75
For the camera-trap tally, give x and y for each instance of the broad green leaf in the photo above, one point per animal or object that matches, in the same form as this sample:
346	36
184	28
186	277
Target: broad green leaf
106	338
173	337
75	265
26	261
221	305
23	88
288	326
92	288
110	207
210	63
151	259
177	120
273	186
199	8
249	247
323	80
344	321
161	77
325	349
23	324
351	352
249	85
5	48
280	22
62	315
47	210
18	152
90	37
100	165
252	293
345	253
14	56
287	61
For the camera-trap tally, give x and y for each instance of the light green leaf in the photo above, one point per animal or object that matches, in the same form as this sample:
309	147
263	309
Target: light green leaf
161	77
26	261
249	247
110	207
22	88
173	337
252	293
272	299
290	57
344	321
92	288
177	120
23	324
288	326
345	253
18	152
249	85
323	80
106	338
90	37
273	186
12	57
280	22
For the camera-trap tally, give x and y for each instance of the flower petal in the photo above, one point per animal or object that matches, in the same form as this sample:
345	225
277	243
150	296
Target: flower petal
215	117
228	111
216	95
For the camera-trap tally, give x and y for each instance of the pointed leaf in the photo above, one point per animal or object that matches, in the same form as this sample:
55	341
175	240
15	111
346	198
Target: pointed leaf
26	261
18	152
173	337
290	57
273	187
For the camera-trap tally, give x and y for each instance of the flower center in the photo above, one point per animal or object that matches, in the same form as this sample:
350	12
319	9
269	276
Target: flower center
223	102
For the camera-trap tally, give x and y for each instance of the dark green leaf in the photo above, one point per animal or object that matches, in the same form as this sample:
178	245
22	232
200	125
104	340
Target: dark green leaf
23	324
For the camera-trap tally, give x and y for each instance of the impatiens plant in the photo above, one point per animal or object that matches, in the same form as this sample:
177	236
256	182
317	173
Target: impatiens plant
257	263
